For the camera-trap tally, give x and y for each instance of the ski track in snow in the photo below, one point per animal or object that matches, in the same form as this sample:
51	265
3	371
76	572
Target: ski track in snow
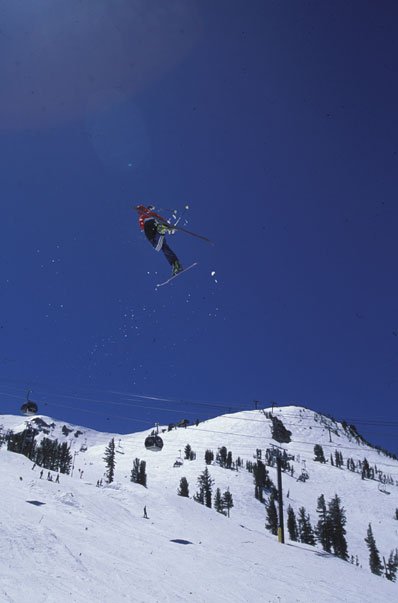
92	544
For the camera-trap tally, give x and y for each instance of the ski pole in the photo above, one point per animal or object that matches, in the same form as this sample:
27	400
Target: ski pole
193	234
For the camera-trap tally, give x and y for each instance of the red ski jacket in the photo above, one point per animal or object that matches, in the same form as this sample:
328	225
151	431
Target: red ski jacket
146	214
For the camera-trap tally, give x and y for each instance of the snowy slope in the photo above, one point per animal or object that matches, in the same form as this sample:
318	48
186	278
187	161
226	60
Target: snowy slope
84	543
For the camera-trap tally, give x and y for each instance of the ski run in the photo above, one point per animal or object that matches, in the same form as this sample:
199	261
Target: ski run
84	540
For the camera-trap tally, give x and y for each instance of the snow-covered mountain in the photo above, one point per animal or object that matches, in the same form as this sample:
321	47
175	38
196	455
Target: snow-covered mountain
74	541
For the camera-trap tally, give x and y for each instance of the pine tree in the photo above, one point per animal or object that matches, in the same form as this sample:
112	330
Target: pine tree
187	451
142	477
292	524
209	457
319	455
392	566
110	461
260	479
44	453
337	521
374	557
365	469
184	488
65	458
323	528
305	529
218	505
205	483
339	459
135	472
229	460
227	501
272	515
222	456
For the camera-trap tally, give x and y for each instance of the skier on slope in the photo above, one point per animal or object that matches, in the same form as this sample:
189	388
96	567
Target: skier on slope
155	228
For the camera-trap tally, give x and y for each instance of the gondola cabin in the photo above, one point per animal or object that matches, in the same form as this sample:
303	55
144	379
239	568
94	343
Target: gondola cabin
29	408
154	443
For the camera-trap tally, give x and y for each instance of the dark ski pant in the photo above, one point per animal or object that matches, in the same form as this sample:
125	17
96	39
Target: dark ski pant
158	241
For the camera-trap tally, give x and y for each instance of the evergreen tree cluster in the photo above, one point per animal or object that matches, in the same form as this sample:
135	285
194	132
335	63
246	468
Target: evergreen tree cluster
338	459
390	568
49	454
22	442
189	454
319	455
53	455
279	431
262	481
362	467
224	458
138	472
331	526
209	457
204	494
273	454
329	531
223	503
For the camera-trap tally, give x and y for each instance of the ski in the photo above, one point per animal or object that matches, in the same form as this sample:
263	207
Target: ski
175	275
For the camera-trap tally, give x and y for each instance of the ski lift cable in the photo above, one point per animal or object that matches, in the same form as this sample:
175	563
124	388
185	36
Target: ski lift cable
370	423
146	406
131	397
233	405
104	414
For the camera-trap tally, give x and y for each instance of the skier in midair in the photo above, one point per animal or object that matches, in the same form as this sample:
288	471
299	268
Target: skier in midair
155	228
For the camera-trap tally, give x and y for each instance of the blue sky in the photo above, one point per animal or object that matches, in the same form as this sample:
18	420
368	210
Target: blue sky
276	123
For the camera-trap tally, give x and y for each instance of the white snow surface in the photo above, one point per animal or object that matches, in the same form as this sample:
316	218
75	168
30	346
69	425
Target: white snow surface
85	543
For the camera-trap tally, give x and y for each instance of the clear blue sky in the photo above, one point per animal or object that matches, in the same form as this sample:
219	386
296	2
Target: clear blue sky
276	122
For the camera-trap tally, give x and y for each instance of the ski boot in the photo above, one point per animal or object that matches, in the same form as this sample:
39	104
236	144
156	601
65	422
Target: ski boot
176	268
